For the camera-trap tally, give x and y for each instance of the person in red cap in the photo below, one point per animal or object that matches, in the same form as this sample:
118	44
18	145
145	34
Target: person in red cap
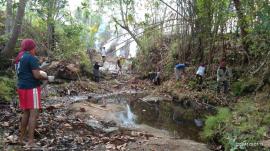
223	75
29	81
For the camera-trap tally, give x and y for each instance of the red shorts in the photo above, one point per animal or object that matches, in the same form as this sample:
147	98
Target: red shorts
30	98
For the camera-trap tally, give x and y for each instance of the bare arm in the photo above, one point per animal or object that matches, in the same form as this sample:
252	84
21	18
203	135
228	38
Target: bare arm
37	75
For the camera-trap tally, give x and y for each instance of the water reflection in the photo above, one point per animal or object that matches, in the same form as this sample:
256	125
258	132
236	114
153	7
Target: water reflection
181	122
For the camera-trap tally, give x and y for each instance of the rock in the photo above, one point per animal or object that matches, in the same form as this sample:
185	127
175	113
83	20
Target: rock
94	124
183	98
198	122
265	143
5	124
72	68
12	139
60	118
150	98
110	129
79	140
110	146
67	126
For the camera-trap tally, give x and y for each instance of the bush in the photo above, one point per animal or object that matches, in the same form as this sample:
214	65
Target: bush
7	88
244	86
214	124
85	65
152	53
245	124
170	60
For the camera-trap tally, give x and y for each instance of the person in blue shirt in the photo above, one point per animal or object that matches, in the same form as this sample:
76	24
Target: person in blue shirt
178	69
29	91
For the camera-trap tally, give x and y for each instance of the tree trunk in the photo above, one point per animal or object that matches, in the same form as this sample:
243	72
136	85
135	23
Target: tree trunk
50	25
243	27
51	38
9	18
134	37
8	50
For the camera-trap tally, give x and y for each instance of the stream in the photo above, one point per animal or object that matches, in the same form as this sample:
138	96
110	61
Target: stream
180	122
177	120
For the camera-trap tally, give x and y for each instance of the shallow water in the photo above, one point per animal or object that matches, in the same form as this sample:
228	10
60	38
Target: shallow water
181	122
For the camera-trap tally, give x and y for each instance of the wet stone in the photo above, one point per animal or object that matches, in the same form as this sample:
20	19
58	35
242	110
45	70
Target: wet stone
111	129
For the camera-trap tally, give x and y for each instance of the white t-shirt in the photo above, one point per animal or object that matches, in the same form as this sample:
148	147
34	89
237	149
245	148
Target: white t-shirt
103	52
201	71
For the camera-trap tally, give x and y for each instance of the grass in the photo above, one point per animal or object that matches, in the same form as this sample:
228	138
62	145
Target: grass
7	88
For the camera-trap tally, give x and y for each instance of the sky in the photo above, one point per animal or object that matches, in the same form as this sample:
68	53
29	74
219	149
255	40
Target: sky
73	4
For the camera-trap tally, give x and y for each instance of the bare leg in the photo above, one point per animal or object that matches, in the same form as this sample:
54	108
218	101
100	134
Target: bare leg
24	122
32	125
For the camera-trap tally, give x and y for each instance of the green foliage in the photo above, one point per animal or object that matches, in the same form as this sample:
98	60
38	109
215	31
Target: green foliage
69	41
244	86
178	84
85	64
171	58
7	88
150	53
214	124
259	37
192	84
242	128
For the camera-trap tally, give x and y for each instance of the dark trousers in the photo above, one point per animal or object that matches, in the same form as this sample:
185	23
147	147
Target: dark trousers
224	84
96	78
96	75
199	79
157	81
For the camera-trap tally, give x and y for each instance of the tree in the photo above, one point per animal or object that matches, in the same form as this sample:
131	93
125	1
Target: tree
126	7
9	48
50	11
90	20
9	17
242	25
